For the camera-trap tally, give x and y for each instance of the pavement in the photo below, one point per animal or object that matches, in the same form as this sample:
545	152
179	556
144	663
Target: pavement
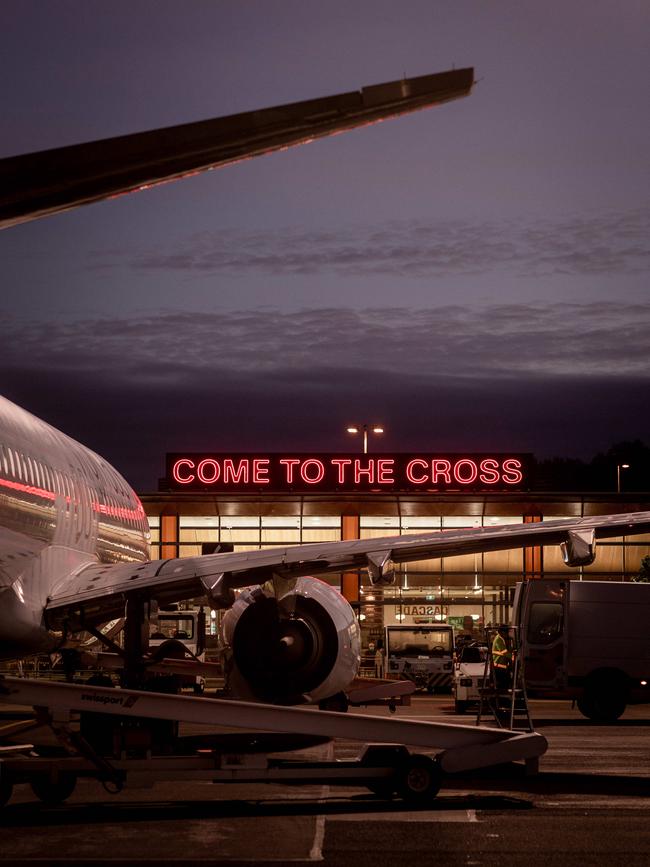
588	805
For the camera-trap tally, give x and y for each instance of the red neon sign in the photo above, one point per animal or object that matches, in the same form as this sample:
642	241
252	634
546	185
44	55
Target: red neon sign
334	472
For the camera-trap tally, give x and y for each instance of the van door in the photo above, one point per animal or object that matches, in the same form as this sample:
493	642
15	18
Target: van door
544	633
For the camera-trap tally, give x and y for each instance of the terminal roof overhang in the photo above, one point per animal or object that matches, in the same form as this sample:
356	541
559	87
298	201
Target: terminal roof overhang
38	184
478	504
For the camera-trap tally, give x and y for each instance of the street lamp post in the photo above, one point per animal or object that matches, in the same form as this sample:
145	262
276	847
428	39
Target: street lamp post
363	429
620	467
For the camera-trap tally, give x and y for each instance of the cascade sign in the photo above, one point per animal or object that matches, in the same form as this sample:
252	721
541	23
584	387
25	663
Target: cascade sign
304	473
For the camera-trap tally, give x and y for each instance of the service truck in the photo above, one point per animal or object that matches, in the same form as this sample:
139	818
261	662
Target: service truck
175	629
422	654
585	640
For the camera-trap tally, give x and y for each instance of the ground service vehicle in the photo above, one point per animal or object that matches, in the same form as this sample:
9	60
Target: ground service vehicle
186	628
586	640
422	654
469	673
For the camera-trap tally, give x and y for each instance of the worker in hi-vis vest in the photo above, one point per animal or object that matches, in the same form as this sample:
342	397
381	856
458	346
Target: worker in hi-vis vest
502	658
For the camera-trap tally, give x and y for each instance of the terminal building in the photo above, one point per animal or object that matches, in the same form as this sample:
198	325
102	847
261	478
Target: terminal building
266	500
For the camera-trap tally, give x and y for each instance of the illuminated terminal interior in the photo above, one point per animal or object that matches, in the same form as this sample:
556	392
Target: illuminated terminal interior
467	592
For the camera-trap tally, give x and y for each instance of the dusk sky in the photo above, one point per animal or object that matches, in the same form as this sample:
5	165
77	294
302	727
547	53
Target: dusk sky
473	276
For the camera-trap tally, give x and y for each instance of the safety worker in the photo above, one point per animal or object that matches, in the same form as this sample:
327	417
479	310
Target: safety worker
502	658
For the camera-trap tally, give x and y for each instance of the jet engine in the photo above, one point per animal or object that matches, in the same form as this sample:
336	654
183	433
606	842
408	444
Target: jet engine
301	646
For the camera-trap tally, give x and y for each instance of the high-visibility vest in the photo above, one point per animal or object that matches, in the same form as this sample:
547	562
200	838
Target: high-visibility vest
501	654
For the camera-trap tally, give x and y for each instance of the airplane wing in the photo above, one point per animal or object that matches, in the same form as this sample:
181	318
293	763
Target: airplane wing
38	184
98	592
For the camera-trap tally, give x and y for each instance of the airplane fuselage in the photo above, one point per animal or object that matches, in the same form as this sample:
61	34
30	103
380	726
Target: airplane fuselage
61	507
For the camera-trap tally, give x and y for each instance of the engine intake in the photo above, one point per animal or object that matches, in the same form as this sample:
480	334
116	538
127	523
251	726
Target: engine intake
302	647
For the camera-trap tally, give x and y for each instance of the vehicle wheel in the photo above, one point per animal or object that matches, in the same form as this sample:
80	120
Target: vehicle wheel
420	779
460	706
601	708
6	788
54	792
604	699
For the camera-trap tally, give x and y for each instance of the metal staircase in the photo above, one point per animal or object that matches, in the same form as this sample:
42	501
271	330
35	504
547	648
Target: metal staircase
508	707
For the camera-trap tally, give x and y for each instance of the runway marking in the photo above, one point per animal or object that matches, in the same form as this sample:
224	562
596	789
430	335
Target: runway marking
422	816
631	802
316	851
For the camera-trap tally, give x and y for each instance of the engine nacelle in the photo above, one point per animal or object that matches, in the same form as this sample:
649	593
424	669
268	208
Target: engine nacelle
301	648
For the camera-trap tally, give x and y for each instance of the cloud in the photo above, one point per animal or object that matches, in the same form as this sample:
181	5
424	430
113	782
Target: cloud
500	341
567	379
604	244
133	422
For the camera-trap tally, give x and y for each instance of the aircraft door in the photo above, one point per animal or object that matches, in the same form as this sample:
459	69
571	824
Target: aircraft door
545	607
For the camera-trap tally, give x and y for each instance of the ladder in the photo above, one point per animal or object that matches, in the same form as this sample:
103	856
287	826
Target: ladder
509	707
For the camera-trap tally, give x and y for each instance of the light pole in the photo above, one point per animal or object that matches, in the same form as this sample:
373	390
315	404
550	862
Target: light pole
363	429
620	467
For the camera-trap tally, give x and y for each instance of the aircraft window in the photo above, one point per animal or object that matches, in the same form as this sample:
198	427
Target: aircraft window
31	471
73	493
10	455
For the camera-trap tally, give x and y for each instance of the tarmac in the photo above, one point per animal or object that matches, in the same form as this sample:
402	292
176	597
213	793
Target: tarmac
588	805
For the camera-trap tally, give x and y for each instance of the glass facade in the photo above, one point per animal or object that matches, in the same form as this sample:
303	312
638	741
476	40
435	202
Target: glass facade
468	592
243	532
